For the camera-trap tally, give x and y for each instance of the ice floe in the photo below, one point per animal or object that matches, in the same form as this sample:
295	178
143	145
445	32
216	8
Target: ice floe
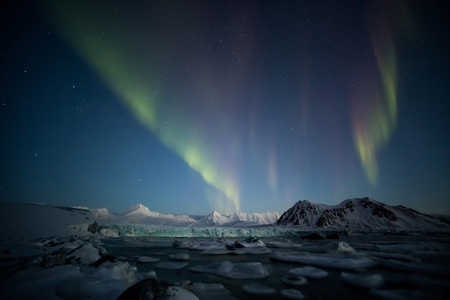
171	265
278	244
147	259
294	279
254	288
399	294
417	267
227	269
152	288
309	272
325	260
179	256
247	243
214	291
117	270
345	248
367	281
240	251
292	294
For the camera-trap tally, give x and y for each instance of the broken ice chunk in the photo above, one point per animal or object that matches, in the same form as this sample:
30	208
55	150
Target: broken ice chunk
294	279
368	281
345	248
309	272
147	259
179	256
325	260
291	294
254	288
171	265
247	270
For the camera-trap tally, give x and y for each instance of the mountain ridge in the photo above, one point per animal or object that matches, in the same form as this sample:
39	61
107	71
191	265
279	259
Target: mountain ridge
359	213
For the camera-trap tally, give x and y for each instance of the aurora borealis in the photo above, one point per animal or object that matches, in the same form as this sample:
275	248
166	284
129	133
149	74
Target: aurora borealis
189	107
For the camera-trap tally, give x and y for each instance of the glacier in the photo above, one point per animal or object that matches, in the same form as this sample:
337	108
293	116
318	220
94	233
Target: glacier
143	230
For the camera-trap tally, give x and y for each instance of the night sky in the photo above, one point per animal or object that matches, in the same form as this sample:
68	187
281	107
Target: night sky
195	106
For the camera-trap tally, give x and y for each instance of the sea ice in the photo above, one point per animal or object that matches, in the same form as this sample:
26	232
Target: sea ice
368	281
276	244
247	270
147	259
309	272
152	288
171	265
345	248
417	267
254	288
179	256
292	294
293	279
86	253
396	256
117	270
178	293
214	291
240	251
247	243
325	260
399	294
150	274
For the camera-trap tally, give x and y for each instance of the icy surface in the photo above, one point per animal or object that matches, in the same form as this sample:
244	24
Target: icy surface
325	260
209	291
254	288
179	256
147	259
292	294
171	265
248	270
293	279
309	272
367	281
95	267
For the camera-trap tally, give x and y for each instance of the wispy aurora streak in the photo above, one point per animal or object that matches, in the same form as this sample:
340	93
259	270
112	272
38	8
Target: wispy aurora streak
136	79
374	109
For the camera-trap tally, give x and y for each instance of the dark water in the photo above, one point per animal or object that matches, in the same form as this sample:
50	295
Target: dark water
424	271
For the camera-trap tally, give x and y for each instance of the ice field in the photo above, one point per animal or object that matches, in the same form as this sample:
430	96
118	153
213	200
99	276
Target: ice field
352	267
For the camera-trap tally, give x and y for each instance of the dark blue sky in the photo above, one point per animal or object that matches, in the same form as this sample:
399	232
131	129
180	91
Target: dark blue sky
189	107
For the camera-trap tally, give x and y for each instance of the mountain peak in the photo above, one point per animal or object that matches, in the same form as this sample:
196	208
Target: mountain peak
137	209
360	214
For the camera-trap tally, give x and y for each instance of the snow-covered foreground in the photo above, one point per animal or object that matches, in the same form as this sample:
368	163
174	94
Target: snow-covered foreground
353	267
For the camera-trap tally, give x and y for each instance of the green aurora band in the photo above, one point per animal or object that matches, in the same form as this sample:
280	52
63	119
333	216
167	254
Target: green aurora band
136	84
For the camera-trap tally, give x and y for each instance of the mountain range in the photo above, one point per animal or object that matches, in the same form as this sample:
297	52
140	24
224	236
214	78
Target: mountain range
140	214
359	214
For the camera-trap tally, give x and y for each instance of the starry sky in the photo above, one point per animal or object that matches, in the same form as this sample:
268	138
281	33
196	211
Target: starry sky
195	106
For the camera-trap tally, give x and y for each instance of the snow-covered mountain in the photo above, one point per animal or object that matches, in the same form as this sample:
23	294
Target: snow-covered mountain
239	218
140	214
359	214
